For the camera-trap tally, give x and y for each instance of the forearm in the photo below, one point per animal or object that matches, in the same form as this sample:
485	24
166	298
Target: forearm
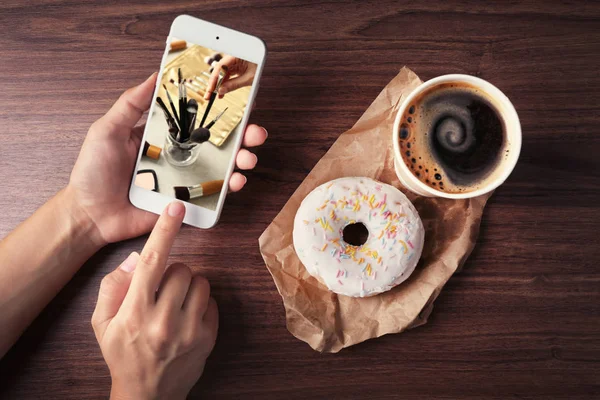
37	259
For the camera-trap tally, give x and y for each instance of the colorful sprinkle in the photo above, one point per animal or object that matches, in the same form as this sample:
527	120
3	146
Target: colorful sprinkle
404	245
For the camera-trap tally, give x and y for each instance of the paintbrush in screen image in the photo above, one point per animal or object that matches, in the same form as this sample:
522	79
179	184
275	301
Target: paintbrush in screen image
185	193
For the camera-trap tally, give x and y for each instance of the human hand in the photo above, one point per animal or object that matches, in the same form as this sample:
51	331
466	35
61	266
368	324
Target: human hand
99	183
155	342
240	73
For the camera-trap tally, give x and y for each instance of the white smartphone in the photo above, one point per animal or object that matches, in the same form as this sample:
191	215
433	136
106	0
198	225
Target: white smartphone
205	89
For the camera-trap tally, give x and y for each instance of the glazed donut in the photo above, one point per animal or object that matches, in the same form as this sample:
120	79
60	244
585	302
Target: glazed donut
387	257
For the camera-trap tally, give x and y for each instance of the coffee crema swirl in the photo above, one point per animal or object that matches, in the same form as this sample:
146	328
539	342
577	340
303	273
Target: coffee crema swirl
452	137
453	131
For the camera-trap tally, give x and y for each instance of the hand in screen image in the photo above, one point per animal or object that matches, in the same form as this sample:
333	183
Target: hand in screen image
239	73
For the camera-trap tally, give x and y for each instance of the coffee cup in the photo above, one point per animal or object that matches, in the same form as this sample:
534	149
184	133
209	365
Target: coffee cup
455	136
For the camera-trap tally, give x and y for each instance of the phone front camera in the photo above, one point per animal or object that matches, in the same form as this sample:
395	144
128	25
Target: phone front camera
217	38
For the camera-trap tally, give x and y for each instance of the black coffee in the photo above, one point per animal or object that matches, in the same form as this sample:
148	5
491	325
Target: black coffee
452	137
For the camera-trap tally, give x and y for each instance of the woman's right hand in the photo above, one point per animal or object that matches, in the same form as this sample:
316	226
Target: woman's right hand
155	327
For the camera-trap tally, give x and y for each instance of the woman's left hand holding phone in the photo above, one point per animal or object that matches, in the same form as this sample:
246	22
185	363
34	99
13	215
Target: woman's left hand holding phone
100	179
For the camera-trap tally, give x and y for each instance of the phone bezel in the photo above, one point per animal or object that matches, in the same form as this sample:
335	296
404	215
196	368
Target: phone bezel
223	40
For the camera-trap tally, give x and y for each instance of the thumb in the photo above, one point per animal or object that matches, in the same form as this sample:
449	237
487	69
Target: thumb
212	81
113	289
130	107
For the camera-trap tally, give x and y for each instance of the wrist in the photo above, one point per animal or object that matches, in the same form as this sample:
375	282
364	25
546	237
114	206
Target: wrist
136	391
81	226
119	394
129	390
115	394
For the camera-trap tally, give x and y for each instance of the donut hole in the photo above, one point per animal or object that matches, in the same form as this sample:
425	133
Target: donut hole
355	234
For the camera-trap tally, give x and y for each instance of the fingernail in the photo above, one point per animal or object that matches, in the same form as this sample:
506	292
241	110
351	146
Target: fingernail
152	76
176	209
245	179
266	133
130	262
255	159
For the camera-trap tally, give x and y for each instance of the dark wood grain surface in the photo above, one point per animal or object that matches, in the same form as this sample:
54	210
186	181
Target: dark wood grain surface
522	320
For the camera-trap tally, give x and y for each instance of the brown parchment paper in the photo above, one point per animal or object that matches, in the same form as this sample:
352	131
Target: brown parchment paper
329	322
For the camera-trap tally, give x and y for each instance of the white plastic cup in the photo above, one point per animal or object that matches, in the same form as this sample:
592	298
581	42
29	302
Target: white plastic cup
506	112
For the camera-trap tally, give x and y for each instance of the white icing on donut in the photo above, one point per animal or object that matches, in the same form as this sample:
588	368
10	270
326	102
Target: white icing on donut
386	259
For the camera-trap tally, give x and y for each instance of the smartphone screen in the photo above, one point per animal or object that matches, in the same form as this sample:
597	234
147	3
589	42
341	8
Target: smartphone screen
191	134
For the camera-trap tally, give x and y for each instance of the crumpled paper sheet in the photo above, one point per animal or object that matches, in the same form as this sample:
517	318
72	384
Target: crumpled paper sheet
329	322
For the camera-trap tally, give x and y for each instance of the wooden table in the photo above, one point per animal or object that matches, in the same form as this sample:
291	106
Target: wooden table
522	320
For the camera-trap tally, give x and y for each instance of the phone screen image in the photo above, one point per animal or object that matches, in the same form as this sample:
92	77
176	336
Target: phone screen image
193	128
